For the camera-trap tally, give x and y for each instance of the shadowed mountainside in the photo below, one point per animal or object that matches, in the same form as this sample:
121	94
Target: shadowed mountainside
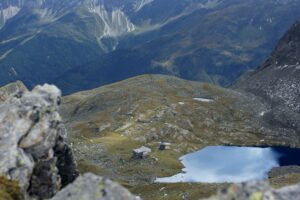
277	82
83	44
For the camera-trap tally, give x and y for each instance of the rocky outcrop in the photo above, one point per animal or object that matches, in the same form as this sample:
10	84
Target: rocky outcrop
32	147
277	82
92	187
257	191
35	160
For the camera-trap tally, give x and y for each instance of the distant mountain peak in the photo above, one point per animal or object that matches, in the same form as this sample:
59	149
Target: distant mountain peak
138	5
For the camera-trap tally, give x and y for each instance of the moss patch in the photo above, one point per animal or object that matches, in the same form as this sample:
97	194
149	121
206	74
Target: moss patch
9	190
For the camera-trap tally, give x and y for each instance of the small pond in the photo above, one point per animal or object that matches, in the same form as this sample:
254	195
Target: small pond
219	164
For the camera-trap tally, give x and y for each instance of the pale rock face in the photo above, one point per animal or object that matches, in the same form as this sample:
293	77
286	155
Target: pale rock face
19	130
115	22
31	137
7	13
141	3
33	151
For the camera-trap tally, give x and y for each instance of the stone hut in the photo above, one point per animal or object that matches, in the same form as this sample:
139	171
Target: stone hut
164	146
141	153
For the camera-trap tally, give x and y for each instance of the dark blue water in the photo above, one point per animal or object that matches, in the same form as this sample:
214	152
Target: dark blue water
288	156
219	164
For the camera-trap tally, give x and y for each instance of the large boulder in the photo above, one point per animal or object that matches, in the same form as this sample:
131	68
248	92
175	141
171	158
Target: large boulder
258	191
92	187
32	147
35	160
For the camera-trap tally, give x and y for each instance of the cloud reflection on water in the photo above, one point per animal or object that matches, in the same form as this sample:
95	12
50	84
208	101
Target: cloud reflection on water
218	164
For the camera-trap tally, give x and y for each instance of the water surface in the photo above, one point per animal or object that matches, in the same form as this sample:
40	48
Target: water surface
219	164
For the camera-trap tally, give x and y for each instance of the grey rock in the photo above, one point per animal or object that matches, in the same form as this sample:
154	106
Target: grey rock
277	82
33	150
92	187
32	147
287	193
258	191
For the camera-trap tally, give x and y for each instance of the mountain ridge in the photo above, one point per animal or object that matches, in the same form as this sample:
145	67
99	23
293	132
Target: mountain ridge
183	39
277	81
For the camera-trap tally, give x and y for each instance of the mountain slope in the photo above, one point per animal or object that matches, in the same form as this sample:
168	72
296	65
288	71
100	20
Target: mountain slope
107	123
213	41
215	46
277	81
